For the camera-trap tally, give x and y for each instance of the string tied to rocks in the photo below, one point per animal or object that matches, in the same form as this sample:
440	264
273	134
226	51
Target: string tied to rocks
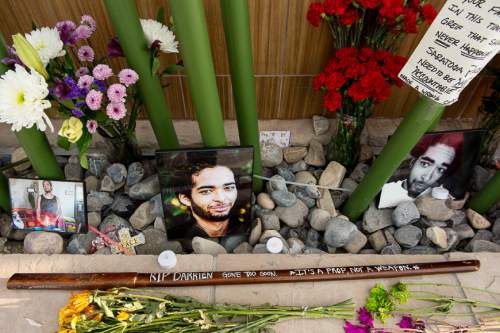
307	185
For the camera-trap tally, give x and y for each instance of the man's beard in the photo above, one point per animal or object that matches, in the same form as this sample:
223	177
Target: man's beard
206	215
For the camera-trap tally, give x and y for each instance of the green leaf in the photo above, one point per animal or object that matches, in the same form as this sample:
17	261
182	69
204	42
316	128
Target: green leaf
63	142
33	25
160	15
172	69
83	146
155	65
68	64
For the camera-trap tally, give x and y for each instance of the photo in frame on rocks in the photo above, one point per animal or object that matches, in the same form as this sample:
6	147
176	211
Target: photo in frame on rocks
206	192
439	159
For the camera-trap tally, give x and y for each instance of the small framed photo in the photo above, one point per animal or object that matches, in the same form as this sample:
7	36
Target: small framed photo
48	205
206	192
439	159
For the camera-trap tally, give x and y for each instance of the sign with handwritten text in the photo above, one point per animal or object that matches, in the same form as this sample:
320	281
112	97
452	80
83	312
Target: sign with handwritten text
463	38
280	138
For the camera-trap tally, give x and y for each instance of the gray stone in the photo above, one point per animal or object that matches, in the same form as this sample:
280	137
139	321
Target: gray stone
457	204
269	234
312	192
320	125
231	242
377	240
103	251
174	246
339	232
255	232
367	251
408	236
365	153
434	209
276	183
285	172
425	223
285	231
310	250
339	197
299	166
315	154
318	219
296	245
81	243
302	194
91	183
94	219
122	205
243	248
405	213
359	172
459	217
480	178
111	224
425	241
312	238
157	209
117	172
265	201
43	242
294	154
159	224
483	235
97	162
496	229
300	233
96	200
464	231
270	221
135	173
293	216
155	242
391	249
17	155
375	219
333	175
477	220
107	184
7	229
142	216
484	246
305	177
271	155
259	248
284	198
73	171
452	237
421	250
438	236
145	189
355	245
326	202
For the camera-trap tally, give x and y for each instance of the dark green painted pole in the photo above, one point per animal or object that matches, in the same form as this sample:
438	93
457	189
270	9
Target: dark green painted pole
4	193
483	200
126	24
422	116
239	47
191	30
35	143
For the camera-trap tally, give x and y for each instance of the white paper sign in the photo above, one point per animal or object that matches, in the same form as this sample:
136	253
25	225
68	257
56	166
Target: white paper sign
463	38
280	138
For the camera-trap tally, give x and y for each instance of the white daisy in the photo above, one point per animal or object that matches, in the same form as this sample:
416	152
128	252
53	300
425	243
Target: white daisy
22	102
47	42
154	30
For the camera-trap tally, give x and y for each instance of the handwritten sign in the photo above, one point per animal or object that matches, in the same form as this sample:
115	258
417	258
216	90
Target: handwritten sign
463	38
127	242
280	138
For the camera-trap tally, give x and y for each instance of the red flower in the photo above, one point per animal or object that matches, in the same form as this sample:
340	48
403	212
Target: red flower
346	53
391	9
338	7
365	53
319	81
410	21
429	12
332	100
314	13
332	66
355	70
392	67
334	81
357	92
349	17
370	4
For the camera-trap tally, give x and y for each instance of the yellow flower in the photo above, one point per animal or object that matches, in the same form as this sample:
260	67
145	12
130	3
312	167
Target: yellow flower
122	316
29	55
65	315
79	302
66	330
74	320
72	129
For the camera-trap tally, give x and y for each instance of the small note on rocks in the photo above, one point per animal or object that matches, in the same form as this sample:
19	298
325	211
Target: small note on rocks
477	220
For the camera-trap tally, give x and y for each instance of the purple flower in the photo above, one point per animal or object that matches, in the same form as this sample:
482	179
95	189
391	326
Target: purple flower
365	317
128	77
82	71
12	58
80	104
86	53
94	99
83	32
351	328
77	113
66	89
102	72
91	126
88	21
116	111
101	85
66	31
117	93
409	322
114	48
85	81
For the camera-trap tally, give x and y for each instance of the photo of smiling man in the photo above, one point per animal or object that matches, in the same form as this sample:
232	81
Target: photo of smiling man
206	193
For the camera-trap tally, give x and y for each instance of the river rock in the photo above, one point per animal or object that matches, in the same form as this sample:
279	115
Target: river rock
94	219
333	175
270	221
205	246
318	219
73	171
293	216
391	249
420	250
452	238
459	217
264	200
408	236
230	242
477	220
359	172
43	242
301	194
375	219
320	125
155	242
142	216
294	154
434	209
496	228
339	197
316	154
122	205
480	177
111	224
464	231
243	248
117	172
271	155
284	198
157	209
312	238
91	183
458	204
108	185
296	245
135	173
358	242
285	172
276	183
437	236
7	229
299	166
145	189
255	232
17	155
326	202
159	224
96	200
484	246
267	234
339	232
97	162
377	240
405	213
81	243
260	249
365	153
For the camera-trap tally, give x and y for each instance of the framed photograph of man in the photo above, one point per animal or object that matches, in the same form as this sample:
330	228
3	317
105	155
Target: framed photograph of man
206	192
439	159
48	205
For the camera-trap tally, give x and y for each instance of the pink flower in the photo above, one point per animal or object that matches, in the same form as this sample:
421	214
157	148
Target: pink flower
116	111
117	93
82	71
85	81
83	32
86	53
102	72
128	76
88	21
351	328
91	126
365	317
94	99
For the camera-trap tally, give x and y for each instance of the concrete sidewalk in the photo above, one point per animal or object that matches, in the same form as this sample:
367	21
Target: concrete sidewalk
36	311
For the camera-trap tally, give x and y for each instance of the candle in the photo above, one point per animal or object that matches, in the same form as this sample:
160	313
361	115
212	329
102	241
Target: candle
274	245
167	259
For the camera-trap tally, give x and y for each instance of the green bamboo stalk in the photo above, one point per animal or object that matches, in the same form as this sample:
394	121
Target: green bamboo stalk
422	116
4	193
239	47
483	200
191	30
126	24
35	143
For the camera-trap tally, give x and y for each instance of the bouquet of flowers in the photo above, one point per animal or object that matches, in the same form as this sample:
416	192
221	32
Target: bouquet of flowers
57	67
